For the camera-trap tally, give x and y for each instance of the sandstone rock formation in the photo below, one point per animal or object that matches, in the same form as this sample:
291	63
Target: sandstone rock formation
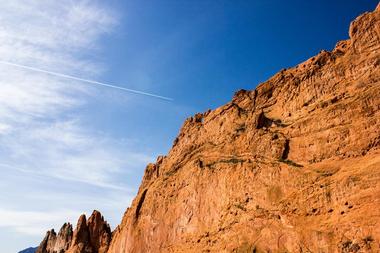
57	244
90	236
100	233
292	166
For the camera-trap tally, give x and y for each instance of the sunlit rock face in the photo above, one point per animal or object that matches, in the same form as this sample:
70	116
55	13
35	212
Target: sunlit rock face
292	166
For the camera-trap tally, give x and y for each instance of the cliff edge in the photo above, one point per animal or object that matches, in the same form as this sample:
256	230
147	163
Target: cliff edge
292	166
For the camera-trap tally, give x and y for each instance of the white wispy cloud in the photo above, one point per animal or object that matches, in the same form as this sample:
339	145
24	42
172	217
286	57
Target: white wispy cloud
65	150
56	35
40	132
35	222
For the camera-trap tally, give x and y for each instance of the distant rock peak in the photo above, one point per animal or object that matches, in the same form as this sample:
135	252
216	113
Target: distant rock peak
90	236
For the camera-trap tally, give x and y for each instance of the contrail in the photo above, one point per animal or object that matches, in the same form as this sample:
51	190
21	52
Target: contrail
85	80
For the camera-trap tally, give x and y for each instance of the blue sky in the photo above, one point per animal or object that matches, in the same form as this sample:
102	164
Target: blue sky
67	147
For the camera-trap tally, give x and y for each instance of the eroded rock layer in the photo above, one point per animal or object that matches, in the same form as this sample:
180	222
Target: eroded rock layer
292	166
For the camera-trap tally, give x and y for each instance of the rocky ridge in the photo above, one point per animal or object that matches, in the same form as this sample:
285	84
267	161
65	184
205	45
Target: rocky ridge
292	166
90	236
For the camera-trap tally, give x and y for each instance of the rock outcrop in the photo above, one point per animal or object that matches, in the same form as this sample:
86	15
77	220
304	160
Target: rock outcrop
90	236
53	243
100	233
292	166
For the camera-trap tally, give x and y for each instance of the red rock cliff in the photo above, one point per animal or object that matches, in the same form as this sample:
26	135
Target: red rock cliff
293	166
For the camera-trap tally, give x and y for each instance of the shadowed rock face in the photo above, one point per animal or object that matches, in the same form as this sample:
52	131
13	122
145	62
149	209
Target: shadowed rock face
90	236
292	166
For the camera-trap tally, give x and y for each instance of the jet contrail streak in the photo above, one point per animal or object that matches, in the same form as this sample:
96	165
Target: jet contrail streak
85	80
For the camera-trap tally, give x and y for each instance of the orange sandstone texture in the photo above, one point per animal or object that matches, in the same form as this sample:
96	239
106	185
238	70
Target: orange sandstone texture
292	166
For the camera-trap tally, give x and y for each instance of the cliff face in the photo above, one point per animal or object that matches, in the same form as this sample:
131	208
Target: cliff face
90	236
293	166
